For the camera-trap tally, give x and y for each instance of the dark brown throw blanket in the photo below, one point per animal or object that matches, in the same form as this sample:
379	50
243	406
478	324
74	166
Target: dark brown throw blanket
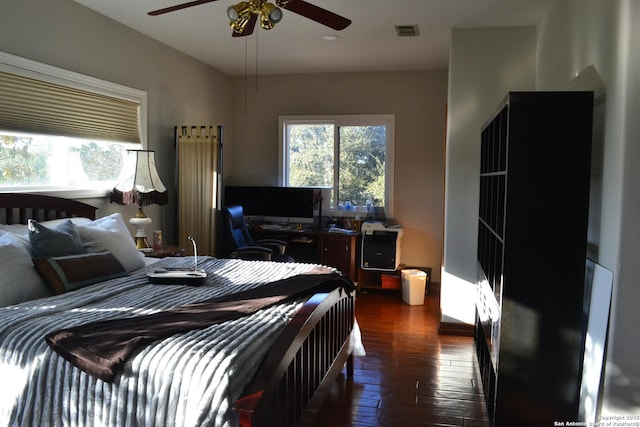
101	348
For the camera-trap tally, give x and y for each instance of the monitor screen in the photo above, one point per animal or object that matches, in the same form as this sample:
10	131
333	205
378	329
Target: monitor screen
274	204
252	199
290	202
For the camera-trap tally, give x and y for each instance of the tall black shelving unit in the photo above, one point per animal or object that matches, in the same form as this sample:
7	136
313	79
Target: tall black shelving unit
532	240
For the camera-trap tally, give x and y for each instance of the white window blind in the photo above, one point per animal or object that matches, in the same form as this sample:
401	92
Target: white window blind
37	106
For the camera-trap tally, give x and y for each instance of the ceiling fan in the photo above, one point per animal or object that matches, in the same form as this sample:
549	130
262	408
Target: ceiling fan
244	15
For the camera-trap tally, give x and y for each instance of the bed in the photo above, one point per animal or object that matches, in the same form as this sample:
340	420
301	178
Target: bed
264	367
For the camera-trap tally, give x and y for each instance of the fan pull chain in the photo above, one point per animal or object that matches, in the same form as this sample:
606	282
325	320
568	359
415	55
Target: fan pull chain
257	56
246	74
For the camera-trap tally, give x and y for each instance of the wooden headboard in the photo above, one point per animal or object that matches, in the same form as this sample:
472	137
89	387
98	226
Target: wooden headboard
17	208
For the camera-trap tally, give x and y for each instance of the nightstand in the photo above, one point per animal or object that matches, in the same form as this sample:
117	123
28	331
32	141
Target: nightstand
166	251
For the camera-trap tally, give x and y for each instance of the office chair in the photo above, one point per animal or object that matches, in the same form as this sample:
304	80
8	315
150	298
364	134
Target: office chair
244	247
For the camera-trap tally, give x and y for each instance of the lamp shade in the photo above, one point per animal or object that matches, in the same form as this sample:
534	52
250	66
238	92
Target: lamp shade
139	182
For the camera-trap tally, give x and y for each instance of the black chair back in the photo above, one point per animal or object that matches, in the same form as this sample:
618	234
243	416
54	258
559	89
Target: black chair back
237	227
241	245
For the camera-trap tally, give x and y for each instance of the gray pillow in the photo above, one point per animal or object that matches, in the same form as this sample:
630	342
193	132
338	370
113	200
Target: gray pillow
53	242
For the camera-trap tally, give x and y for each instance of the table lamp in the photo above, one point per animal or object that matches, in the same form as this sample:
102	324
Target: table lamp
140	184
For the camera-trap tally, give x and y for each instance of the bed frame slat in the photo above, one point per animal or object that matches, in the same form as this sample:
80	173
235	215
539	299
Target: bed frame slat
17	208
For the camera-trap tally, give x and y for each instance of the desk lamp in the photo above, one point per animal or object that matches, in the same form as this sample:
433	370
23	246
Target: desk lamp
140	184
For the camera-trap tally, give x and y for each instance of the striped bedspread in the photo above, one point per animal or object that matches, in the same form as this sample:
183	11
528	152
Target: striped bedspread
189	379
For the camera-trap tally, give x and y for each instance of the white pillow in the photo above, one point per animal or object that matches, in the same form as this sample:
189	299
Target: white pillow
19	281
110	234
14	228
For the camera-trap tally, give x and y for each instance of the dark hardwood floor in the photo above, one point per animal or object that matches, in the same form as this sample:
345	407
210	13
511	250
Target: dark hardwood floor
411	376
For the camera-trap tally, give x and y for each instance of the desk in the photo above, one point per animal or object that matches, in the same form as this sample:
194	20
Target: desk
335	249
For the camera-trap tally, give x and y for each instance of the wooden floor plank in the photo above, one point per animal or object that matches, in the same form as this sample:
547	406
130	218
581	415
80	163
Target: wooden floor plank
410	377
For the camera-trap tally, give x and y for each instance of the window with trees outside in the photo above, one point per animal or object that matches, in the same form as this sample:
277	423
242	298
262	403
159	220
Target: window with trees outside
42	162
351	155
63	132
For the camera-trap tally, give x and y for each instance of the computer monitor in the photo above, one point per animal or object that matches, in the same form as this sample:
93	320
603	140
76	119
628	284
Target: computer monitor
274	204
252	199
290	205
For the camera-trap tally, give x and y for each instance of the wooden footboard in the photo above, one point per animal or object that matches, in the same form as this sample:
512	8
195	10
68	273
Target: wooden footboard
310	352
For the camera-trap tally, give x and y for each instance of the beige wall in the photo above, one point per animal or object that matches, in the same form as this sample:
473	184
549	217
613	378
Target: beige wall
418	100
180	89
484	64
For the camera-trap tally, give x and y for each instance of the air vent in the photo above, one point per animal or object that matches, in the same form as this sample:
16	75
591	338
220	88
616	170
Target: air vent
407	30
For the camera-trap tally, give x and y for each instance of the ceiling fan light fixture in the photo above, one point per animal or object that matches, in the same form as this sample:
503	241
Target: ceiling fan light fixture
238	11
275	13
240	24
269	16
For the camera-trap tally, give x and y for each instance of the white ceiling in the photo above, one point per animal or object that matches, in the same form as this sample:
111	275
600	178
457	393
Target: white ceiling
370	43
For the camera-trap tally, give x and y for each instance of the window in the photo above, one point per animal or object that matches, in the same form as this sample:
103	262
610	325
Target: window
31	162
352	156
64	132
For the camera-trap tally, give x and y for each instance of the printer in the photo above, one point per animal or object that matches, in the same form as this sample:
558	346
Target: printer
380	246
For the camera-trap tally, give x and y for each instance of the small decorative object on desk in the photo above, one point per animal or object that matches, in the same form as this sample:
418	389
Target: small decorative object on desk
157	240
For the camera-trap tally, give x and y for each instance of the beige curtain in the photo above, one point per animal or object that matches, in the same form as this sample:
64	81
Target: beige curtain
199	156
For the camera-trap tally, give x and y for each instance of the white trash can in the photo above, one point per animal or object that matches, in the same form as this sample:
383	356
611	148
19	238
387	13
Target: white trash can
413	286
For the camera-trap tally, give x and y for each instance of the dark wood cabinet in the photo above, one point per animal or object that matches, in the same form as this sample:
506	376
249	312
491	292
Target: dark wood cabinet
532	241
340	251
334	249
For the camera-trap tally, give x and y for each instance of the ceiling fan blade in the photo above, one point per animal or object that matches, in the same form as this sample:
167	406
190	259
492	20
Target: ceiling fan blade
178	7
248	29
318	14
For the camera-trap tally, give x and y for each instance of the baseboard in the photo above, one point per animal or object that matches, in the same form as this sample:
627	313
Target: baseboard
454	328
